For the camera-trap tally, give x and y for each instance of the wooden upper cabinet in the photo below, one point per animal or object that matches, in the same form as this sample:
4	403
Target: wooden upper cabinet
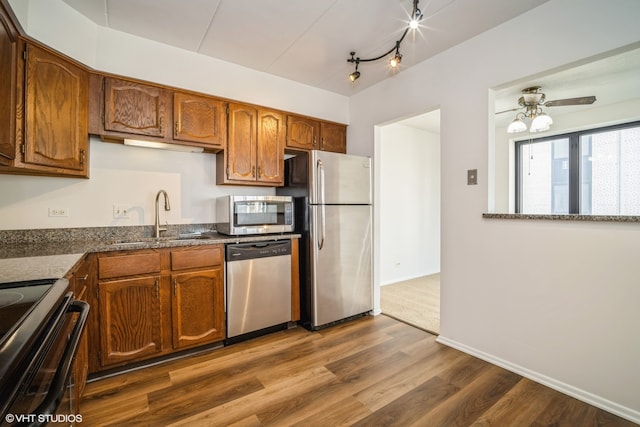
56	113
271	142
255	147
333	137
199	119
8	61
241	147
303	133
135	108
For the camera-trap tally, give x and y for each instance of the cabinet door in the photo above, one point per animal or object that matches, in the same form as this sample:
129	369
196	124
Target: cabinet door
303	133
56	104
271	141
130	322
199	119
197	308
134	108
334	137
241	146
83	281
8	58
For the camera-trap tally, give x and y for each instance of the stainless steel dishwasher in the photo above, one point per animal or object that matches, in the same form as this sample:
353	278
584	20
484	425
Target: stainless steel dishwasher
258	287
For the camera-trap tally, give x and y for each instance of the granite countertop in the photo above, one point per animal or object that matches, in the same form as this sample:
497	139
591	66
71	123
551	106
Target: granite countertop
564	217
51	253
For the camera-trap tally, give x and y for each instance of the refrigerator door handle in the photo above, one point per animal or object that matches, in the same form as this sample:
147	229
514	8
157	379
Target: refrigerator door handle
320	187
320	174
322	227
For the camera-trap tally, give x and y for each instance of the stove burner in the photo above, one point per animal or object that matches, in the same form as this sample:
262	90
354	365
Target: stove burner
8	298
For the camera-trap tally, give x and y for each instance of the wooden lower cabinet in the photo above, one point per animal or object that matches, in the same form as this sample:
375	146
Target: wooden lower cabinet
193	320
130	319
154	302
81	279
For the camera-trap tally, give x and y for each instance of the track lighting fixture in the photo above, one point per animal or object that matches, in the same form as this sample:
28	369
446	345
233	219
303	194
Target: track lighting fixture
416	16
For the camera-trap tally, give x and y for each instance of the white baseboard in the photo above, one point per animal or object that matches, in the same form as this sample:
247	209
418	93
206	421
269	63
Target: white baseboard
585	396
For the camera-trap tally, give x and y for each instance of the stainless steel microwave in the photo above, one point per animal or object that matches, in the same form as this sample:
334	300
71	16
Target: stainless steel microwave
239	215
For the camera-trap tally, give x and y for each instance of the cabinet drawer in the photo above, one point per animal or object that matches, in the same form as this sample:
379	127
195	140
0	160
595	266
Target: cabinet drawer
128	265
196	258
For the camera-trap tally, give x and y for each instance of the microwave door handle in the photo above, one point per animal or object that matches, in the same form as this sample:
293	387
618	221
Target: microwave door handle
59	383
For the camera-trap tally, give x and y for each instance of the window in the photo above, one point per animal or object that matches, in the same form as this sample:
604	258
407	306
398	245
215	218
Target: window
592	172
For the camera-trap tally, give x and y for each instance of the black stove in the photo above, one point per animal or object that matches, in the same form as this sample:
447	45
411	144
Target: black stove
40	328
17	300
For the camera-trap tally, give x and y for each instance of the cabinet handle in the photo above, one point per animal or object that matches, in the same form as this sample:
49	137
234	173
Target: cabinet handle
175	287
253	171
85	277
157	290
315	142
161	123
82	156
259	172
176	129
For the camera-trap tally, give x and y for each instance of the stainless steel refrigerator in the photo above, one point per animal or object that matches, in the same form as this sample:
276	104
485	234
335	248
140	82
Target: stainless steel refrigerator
333	212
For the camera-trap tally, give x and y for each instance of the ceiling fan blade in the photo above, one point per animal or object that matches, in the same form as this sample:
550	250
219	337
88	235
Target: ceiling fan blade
506	111
584	100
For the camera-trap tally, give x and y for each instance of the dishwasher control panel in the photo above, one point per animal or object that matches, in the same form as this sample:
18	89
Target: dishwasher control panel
242	251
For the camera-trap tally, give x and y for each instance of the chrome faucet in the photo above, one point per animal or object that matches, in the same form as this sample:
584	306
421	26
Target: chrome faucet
167	207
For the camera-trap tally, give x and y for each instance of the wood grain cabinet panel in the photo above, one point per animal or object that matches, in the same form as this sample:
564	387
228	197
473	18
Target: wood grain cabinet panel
151	303
197	308
270	150
56	132
82	281
241	145
199	119
135	108
303	133
8	60
130	319
255	147
333	137
121	264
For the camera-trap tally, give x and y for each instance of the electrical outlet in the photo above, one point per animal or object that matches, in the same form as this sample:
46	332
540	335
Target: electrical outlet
121	211
59	212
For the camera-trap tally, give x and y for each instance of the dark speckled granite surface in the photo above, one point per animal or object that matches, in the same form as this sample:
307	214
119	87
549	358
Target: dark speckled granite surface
601	218
51	253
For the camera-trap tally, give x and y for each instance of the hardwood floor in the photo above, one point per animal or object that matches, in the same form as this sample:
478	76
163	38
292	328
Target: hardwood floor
415	301
373	371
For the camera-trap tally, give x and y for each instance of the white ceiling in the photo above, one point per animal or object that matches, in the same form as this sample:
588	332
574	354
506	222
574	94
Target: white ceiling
304	40
612	79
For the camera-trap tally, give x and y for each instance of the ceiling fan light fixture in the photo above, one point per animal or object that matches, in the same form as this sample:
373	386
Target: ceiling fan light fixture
517	125
541	123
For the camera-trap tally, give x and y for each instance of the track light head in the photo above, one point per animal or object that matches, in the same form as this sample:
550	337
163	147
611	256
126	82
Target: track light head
416	16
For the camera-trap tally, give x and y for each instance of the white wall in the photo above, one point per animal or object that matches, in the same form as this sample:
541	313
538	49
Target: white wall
409	225
556	301
129	175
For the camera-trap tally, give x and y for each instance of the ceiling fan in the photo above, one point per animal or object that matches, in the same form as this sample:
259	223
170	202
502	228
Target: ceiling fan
531	103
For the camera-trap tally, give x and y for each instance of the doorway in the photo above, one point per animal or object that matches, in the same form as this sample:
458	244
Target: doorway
408	170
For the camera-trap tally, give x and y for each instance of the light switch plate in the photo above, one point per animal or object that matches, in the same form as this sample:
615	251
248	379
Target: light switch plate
472	177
